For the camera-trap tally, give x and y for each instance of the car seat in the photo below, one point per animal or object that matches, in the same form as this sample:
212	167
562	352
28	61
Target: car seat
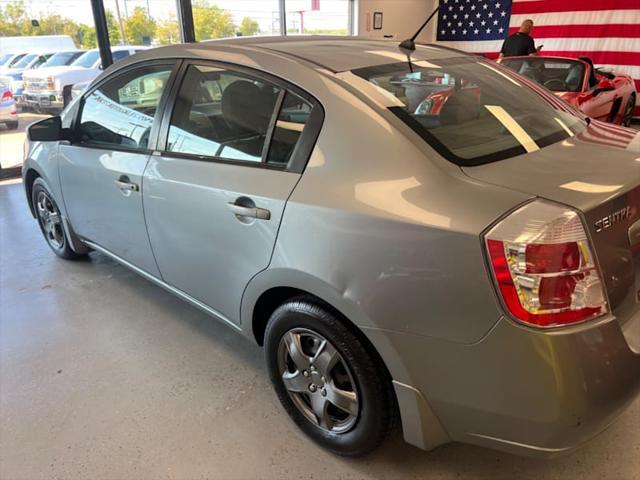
593	80
461	107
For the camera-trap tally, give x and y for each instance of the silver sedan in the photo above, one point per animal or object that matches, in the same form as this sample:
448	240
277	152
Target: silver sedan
423	237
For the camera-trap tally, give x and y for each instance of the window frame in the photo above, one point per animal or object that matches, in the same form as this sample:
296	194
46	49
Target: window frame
303	148
125	70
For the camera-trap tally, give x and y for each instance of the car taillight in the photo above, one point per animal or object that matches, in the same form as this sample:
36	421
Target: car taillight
544	267
7	95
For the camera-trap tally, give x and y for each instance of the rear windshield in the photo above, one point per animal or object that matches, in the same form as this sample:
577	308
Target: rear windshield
5	58
469	110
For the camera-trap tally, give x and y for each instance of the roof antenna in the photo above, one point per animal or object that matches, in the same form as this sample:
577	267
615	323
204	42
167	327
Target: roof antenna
410	43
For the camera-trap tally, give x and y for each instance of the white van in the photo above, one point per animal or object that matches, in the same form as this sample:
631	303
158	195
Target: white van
36	43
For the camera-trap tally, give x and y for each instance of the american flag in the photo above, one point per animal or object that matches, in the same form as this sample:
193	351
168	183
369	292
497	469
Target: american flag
608	31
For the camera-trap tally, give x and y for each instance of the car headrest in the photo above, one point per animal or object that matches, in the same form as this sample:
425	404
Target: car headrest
245	105
461	107
593	80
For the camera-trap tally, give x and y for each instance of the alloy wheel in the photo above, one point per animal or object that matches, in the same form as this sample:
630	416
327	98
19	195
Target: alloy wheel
50	220
318	380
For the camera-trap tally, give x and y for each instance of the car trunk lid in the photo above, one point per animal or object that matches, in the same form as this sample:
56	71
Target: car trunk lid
597	172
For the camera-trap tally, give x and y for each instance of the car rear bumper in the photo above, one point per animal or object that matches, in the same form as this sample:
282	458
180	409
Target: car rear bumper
518	390
8	112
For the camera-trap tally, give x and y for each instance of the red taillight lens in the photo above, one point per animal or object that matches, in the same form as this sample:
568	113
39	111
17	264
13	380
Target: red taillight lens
543	266
7	95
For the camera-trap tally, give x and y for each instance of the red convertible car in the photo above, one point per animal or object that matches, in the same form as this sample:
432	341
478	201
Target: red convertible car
598	94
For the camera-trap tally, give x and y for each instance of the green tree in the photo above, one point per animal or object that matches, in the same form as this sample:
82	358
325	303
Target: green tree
15	21
168	31
114	29
210	21
249	27
87	36
139	25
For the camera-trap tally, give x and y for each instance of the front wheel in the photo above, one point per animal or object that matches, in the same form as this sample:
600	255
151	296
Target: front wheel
50	221
330	383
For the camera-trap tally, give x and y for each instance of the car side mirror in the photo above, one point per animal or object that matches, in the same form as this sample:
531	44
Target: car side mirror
604	85
48	130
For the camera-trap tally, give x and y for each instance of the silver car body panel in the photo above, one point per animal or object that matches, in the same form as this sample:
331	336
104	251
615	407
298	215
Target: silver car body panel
388	232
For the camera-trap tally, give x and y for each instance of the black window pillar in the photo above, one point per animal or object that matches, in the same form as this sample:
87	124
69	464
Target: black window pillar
102	32
185	17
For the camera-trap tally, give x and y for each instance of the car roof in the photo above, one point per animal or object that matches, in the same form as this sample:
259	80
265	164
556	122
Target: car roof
333	53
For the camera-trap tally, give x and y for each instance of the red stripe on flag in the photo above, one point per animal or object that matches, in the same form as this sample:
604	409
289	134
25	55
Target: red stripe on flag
584	31
548	6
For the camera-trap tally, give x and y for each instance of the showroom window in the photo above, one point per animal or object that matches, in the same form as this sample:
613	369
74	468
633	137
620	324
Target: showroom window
318	17
227	115
121	111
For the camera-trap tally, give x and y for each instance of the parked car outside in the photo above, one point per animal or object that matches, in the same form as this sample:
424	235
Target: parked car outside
56	60
10	59
8	111
473	271
607	96
43	89
13	76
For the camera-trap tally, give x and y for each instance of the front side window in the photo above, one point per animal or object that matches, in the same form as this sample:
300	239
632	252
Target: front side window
557	75
121	111
469	110
228	115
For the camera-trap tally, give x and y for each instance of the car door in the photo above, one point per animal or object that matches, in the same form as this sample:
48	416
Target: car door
233	148
597	103
101	171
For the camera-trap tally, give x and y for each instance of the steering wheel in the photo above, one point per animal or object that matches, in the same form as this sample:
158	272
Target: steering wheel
556	85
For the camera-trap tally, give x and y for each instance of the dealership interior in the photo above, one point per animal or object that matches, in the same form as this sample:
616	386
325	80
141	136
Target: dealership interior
466	304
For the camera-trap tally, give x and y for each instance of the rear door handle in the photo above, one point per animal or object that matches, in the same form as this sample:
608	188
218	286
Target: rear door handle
125	184
249	212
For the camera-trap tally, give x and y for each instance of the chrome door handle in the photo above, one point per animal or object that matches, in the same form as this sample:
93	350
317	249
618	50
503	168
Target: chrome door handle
250	212
126	185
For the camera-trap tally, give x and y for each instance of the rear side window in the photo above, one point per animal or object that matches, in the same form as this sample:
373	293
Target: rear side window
120	112
290	123
469	110
235	116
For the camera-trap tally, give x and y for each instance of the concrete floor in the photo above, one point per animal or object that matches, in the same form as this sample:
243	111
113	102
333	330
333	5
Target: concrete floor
104	375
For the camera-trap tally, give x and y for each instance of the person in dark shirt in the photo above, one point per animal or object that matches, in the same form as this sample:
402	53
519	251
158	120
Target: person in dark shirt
520	43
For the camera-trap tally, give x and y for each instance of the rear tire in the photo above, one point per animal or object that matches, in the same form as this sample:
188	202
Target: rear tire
50	221
12	125
324	364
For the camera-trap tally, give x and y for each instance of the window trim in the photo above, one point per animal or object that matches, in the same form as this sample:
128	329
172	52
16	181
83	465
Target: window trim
153	135
303	148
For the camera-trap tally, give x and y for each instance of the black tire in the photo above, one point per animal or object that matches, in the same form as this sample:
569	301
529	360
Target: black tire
376	405
54	233
12	125
627	114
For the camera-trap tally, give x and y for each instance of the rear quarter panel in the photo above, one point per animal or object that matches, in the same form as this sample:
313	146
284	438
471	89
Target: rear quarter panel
385	231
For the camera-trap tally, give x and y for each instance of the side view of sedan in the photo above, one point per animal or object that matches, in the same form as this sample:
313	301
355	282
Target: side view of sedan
471	271
610	97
